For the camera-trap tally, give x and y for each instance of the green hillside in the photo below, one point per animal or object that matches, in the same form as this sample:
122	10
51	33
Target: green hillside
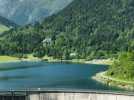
88	28
123	67
3	28
6	24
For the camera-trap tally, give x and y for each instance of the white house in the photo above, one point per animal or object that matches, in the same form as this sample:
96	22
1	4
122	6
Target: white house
47	41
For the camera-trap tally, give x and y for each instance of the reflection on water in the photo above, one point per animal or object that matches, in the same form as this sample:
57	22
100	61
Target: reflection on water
21	75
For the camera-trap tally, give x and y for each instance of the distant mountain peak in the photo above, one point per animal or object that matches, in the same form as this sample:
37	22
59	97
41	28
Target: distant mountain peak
28	11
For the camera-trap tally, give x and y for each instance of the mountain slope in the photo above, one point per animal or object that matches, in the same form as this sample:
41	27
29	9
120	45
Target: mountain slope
100	21
3	28
28	11
5	24
97	28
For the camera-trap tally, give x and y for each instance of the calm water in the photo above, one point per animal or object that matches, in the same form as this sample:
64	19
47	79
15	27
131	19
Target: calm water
21	75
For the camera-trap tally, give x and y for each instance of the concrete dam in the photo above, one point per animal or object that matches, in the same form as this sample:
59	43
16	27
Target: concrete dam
61	95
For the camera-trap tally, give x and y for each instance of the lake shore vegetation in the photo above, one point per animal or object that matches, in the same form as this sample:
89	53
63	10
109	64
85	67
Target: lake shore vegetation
120	73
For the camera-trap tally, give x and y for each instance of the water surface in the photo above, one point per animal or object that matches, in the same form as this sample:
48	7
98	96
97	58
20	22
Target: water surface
22	75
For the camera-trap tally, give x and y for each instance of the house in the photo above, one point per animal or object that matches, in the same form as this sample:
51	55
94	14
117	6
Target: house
73	54
47	42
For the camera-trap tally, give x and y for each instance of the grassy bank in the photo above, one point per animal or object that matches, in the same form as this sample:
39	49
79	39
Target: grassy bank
15	59
30	57
8	58
3	28
108	80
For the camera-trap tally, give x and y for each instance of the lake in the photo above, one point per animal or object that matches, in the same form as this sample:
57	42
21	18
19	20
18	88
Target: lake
22	75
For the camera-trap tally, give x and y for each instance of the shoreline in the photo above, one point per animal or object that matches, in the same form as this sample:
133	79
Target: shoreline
14	61
84	61
20	60
110	81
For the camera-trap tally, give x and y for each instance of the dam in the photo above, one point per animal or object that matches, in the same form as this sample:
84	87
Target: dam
67	95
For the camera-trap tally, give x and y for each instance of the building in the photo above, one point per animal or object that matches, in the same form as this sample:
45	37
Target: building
47	42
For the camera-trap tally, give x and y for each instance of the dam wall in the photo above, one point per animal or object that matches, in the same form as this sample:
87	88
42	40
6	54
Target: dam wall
56	95
79	96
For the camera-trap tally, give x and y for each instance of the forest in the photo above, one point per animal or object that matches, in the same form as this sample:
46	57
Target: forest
97	30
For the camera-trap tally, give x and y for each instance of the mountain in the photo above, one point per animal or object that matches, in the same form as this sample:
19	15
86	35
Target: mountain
3	28
90	28
29	11
5	24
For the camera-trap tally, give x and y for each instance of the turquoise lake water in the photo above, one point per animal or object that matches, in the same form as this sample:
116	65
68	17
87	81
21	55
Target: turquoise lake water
29	75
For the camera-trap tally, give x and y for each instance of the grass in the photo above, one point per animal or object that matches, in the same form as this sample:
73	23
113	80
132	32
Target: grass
102	77
30	57
7	58
3	28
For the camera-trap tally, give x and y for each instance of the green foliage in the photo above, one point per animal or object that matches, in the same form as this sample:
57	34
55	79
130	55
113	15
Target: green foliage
123	68
3	28
39	53
90	28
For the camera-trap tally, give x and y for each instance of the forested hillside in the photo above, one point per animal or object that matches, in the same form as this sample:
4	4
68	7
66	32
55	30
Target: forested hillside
86	28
